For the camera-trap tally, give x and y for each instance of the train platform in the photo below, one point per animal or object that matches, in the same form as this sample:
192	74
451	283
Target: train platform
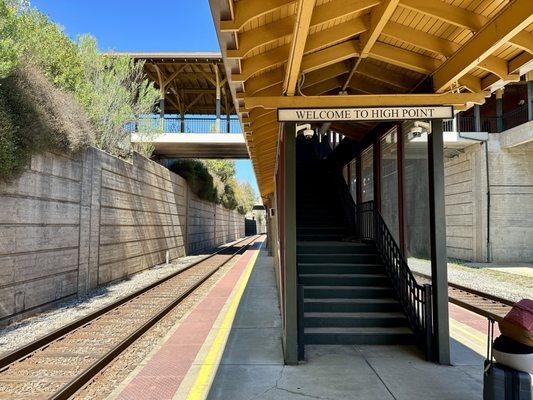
229	347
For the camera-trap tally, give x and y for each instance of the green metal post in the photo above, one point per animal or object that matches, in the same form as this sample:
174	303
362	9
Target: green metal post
439	261
291	279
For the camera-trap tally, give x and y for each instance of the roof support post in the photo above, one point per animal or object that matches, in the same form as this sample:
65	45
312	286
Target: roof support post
499	110
437	227
399	174
289	247
529	78
377	172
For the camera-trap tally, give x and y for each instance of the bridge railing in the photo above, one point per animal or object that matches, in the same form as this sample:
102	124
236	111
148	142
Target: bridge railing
189	124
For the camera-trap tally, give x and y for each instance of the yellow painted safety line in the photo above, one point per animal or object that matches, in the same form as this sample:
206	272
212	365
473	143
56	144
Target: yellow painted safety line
206	374
468	336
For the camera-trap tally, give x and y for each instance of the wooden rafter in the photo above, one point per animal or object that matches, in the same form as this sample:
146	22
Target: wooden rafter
462	18
319	40
378	19
323	14
504	26
297	47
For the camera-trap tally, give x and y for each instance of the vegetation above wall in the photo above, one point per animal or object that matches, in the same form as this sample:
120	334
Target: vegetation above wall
214	180
60	94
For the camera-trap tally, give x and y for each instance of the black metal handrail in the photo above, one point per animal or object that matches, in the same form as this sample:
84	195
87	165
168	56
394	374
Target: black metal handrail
414	298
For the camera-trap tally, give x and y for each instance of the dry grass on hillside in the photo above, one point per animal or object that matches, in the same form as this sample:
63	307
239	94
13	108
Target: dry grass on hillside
35	116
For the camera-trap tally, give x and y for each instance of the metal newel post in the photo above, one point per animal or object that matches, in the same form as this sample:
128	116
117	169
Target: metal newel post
439	262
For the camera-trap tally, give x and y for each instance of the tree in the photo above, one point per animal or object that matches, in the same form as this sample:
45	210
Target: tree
9	52
245	197
115	91
224	169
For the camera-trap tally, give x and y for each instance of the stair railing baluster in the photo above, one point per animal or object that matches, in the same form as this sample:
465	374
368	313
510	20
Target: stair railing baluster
414	298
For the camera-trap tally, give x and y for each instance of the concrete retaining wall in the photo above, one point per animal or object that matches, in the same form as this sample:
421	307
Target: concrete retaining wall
68	225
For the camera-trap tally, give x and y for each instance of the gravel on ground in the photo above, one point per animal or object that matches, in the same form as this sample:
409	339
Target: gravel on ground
27	330
508	286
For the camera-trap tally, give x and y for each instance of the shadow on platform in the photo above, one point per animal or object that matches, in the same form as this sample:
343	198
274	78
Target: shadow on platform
252	363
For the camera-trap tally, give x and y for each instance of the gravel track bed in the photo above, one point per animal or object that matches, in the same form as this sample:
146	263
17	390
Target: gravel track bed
109	379
22	332
508	286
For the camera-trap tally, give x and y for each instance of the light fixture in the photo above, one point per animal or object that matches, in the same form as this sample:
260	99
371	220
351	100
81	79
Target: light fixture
306	130
420	127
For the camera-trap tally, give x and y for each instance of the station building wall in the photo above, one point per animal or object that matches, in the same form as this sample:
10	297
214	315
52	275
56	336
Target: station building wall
510	222
69	224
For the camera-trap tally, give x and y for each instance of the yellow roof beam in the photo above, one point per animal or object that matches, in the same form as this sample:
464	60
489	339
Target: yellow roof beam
324	74
330	55
498	67
463	18
247	10
366	86
387	76
274	31
404	58
416	62
378	19
254	65
264	81
420	39
506	24
323	87
519	62
304	13
370	100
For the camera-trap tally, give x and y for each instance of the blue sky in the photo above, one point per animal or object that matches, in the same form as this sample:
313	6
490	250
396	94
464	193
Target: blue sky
134	25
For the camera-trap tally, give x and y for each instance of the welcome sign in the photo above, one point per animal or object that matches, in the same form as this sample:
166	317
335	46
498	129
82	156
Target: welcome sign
364	114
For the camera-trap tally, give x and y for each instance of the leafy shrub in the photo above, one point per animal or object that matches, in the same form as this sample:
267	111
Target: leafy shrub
198	177
214	180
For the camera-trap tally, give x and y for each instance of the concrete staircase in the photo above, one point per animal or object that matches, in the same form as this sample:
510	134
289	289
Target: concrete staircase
348	297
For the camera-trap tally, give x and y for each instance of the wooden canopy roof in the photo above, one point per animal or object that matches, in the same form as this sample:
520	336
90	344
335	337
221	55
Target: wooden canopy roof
188	81
320	52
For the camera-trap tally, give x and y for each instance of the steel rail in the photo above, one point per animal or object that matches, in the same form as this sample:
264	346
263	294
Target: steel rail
88	374
481	303
24	351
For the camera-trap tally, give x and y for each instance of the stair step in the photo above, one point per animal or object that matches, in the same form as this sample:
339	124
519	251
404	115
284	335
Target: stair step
320	236
345	279
354	319
359	335
340	268
338	258
352	292
350	305
335	247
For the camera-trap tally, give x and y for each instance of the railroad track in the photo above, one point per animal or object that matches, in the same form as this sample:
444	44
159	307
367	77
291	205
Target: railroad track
478	302
59	364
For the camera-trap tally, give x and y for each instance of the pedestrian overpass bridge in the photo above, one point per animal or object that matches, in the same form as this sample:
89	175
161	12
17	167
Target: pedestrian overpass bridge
197	116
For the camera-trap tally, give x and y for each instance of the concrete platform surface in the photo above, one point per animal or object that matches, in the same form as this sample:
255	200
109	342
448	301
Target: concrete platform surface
252	367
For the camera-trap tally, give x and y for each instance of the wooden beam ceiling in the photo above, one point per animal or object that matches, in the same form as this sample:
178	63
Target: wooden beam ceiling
505	25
